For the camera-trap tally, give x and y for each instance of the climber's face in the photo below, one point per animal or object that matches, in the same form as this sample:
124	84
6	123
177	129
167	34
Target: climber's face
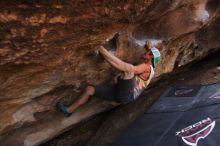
148	55
148	45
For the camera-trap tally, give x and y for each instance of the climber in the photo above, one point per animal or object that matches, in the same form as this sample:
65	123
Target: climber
129	86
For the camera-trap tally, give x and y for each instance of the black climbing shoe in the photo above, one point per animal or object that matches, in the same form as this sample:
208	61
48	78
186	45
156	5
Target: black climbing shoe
62	108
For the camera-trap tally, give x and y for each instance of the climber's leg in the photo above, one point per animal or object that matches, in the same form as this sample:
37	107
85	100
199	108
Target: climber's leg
89	91
103	91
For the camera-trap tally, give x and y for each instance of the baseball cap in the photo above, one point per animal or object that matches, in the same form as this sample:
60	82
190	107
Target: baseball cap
156	55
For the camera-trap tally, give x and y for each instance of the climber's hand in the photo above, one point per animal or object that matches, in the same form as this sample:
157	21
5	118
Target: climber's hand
97	50
97	53
101	48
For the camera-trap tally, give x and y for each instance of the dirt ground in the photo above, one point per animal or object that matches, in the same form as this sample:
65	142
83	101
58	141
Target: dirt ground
206	71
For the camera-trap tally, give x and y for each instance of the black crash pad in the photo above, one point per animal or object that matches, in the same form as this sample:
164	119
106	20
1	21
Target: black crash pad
183	116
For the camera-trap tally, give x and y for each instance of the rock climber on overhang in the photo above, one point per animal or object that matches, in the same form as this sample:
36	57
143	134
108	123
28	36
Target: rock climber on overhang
132	82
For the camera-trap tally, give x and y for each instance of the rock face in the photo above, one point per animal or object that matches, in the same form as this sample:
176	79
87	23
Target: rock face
47	53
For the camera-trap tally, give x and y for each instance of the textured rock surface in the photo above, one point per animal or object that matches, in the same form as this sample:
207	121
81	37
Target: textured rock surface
46	51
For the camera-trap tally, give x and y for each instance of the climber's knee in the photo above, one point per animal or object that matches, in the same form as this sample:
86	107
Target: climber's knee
90	90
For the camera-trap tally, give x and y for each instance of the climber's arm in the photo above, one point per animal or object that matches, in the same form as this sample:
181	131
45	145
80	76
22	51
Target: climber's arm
115	62
141	68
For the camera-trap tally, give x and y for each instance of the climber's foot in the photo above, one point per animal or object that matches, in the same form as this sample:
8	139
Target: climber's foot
62	108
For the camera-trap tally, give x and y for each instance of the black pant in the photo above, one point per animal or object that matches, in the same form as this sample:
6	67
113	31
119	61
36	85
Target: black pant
122	91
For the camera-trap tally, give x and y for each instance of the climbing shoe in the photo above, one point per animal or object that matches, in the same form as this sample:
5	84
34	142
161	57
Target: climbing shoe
62	108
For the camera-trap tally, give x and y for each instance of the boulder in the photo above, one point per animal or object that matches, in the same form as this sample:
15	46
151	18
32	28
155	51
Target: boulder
47	54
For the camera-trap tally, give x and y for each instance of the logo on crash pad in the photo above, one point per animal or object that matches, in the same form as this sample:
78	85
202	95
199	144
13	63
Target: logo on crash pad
193	133
180	92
